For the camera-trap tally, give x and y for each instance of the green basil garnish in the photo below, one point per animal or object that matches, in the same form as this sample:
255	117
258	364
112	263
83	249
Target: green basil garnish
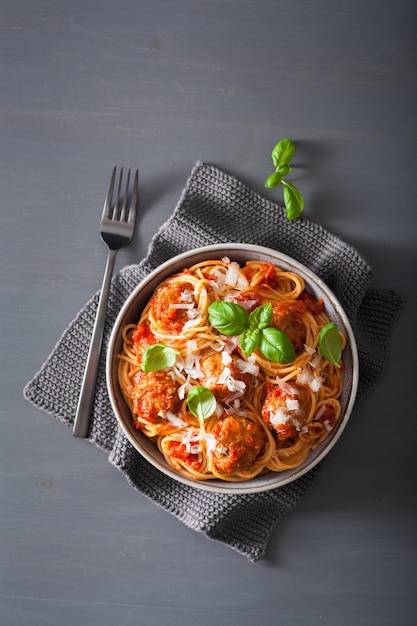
330	343
261	317
228	318
294	201
283	152
276	346
273	180
201	403
157	357
249	340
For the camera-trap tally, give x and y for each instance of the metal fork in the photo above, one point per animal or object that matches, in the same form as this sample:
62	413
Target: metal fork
117	229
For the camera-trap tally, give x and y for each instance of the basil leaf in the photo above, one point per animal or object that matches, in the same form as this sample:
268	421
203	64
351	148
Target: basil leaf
157	357
330	344
261	317
201	402
294	201
228	318
249	340
284	170
273	180
283	152
276	346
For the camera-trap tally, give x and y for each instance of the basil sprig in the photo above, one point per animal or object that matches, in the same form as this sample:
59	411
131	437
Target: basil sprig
157	357
201	403
230	318
330	343
282	154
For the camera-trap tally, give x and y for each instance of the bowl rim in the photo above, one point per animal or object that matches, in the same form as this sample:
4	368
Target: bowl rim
165	269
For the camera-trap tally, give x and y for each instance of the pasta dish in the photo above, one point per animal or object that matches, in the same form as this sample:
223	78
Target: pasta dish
233	371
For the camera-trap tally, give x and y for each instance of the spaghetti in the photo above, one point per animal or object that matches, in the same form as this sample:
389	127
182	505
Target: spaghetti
269	415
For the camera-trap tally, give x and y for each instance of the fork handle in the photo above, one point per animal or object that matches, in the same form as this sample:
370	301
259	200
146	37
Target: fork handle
85	400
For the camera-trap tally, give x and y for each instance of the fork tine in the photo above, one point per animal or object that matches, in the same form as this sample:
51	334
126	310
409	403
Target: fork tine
107	209
124	204
134	198
116	207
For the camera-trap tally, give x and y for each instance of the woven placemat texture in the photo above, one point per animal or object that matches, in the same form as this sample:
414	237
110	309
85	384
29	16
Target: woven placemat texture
217	208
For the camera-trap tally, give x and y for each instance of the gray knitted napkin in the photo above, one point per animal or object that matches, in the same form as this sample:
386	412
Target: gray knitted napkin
217	208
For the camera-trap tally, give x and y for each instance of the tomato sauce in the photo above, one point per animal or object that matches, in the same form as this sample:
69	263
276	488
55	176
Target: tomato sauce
179	450
142	337
270	279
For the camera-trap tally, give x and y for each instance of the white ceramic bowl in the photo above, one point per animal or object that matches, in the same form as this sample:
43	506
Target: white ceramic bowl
241	253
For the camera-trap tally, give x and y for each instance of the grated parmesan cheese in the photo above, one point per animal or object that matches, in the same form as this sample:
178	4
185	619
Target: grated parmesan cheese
292	405
310	378
226	358
191	442
247	367
286	387
230	343
235	278
173	419
320	411
211	442
232	384
187	295
309	350
316	361
297	424
184	389
279	417
192	322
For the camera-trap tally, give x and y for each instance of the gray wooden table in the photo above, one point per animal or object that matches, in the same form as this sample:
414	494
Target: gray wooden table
160	84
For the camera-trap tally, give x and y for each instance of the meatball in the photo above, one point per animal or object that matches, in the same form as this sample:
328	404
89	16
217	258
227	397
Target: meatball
170	316
288	318
152	393
239	443
285	410
224	380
